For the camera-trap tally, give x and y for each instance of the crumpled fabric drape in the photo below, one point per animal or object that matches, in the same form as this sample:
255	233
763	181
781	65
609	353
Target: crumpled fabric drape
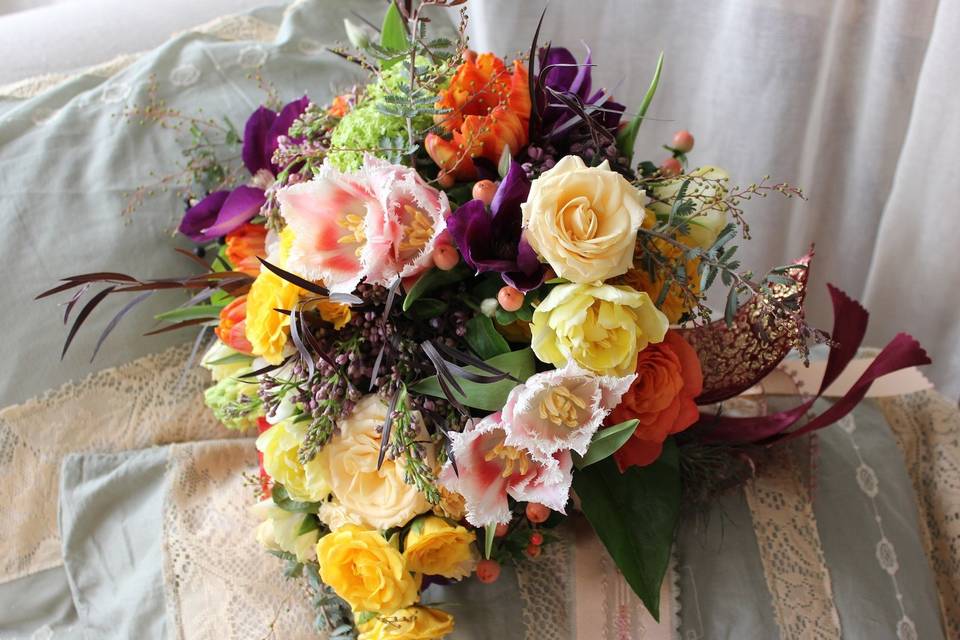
849	99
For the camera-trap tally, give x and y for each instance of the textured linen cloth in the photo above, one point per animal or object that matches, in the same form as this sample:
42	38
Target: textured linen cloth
66	163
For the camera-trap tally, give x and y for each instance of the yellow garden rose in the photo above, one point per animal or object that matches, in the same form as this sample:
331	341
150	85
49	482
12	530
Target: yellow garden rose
266	329
412	623
583	220
379	498
366	570
279	445
437	548
707	189
601	327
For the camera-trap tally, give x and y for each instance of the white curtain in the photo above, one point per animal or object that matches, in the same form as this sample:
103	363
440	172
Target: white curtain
856	101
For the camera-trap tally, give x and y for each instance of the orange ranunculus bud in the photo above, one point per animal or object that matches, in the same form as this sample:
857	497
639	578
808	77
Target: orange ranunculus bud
340	106
232	329
487	107
669	378
244	245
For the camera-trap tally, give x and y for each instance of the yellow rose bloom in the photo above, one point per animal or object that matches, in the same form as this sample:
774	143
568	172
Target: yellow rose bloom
437	548
279	530
600	327
412	623
379	498
366	570
707	189
583	220
280	445
335	313
266	329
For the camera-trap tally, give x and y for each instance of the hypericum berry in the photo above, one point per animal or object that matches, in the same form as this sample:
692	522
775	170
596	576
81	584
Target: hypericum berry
488	571
510	298
445	180
682	141
502	530
445	257
484	190
670	167
536	538
534	550
537	513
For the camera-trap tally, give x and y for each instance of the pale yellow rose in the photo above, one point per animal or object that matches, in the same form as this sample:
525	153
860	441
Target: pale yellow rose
280	445
279	530
412	623
583	220
601	328
379	498
335	515
707	189
437	548
366	570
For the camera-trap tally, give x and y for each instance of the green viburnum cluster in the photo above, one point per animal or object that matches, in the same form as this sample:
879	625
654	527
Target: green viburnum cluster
234	403
367	128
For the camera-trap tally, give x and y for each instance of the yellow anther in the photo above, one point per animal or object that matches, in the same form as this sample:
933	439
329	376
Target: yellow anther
353	224
418	231
511	457
560	407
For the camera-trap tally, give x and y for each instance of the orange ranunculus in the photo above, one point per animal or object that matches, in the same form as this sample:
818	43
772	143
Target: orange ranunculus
661	398
341	105
233	326
244	245
488	107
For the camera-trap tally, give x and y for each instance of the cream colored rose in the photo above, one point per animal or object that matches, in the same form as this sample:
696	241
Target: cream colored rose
335	515
378	498
707	189
280	446
280	531
583	220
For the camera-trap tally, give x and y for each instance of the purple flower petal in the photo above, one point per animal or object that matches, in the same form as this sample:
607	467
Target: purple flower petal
581	83
511	193
469	223
530	272
255	139
202	215
281	125
241	205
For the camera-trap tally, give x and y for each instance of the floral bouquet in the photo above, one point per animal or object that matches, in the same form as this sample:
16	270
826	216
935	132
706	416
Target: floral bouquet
455	308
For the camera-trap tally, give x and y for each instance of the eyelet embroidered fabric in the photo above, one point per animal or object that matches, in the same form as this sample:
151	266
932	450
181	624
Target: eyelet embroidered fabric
927	428
137	405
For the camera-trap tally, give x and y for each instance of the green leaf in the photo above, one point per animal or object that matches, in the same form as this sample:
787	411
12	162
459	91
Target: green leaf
427	308
283	500
489	533
506	159
605	442
487	396
393	34
233	358
484	339
731	307
635	515
627	136
309	524
190	313
433	279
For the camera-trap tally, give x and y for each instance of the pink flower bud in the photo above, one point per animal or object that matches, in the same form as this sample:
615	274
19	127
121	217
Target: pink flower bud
445	257
537	513
484	190
670	167
683	141
510	298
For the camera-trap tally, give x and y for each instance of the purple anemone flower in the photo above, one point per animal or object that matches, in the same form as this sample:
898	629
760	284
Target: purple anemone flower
224	211
563	82
492	239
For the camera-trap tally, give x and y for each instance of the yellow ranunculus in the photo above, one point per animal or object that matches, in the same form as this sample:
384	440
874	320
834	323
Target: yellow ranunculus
707	189
279	445
436	548
335	313
379	498
602	328
266	329
583	220
366	570
412	623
